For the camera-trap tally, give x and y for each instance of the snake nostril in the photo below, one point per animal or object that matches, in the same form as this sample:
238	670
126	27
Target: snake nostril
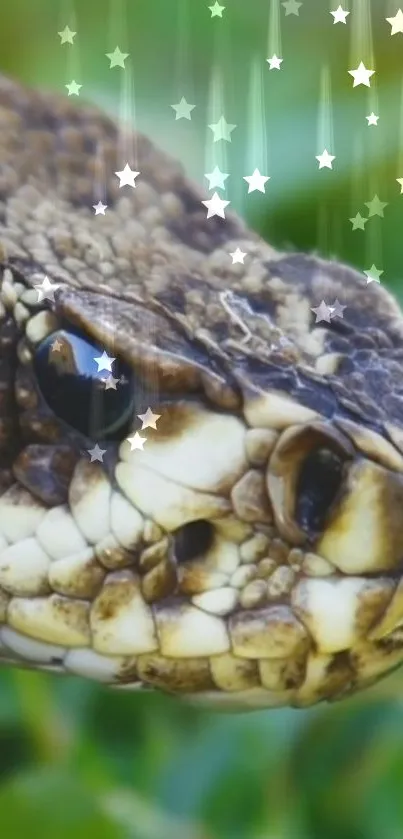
193	540
318	484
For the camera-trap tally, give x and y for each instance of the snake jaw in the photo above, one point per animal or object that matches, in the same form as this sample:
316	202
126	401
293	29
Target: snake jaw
260	614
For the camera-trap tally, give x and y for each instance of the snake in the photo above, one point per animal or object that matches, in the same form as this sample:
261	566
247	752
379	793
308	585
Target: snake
248	552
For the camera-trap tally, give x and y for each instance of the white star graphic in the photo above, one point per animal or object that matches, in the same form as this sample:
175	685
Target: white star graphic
136	442
46	290
361	75
396	22
340	15
104	362
325	160
117	58
216	178
222	130
373	274
322	312
110	383
274	62
337	309
238	256
216	10
215	206
149	420
183	109
73	88
400	181
66	35
372	119
256	181
100	208
96	453
127	176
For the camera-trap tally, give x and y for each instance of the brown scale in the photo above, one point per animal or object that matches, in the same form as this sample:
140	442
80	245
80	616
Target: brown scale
113	556
176	675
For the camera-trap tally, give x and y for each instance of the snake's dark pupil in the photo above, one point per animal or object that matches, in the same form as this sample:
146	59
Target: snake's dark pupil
74	390
317	487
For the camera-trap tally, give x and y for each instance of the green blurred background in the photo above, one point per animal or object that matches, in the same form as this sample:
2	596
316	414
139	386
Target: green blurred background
77	760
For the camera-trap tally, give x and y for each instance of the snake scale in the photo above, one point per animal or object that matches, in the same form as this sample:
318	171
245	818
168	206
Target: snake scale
250	554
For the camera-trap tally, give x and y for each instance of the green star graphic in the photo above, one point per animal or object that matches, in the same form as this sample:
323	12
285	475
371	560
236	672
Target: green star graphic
117	58
373	274
73	88
66	35
183	109
358	222
216	10
222	130
291	7
375	207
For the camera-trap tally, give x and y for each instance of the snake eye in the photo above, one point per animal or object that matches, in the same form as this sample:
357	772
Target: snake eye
317	487
75	390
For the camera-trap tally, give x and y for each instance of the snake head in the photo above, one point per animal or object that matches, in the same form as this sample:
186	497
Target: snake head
247	554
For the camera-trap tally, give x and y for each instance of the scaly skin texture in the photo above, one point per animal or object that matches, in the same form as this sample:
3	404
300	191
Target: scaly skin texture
188	566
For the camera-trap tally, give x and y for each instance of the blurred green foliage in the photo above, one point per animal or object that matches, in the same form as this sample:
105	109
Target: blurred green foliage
76	759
